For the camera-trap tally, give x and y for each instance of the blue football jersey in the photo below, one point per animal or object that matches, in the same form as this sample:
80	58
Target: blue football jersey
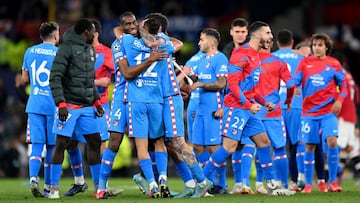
209	68
292	59
146	87
119	91
193	63
38	60
169	83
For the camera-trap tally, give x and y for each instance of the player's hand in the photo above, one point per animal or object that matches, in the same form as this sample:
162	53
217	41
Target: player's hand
195	85
255	108
288	108
336	107
297	91
186	69
63	114
99	111
103	82
219	113
157	55
269	106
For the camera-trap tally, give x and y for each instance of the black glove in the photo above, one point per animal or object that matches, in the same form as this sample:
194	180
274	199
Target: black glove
99	111
63	114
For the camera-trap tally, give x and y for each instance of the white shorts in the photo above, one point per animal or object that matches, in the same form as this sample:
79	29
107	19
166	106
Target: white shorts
347	136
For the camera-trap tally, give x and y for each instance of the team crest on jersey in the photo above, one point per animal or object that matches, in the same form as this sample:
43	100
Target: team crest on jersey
60	126
116	47
207	65
115	123
234	131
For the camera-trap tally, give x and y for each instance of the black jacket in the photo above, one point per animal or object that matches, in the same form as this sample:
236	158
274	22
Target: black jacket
72	74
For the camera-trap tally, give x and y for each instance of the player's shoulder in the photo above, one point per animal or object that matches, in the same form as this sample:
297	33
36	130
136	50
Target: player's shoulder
333	61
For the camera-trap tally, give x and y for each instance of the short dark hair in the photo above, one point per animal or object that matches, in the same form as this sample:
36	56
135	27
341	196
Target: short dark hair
82	25
326	38
47	28
153	25
125	14
97	25
256	26
161	18
240	22
284	37
212	32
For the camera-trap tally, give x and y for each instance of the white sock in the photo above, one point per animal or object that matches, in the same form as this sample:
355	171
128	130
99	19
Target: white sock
79	180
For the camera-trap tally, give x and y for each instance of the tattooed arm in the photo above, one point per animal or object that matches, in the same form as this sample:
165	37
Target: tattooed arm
219	84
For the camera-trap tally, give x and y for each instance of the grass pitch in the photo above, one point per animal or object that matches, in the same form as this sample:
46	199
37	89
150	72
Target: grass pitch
18	190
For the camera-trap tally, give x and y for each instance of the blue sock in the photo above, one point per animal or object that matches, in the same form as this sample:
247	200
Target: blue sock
183	171
221	172
300	151
76	162
333	159
203	158
197	173
281	165
55	173
319	162
95	172
35	159
309	167
154	164
259	170
146	168
106	167
161	159
236	165
47	164
216	160
265	161
246	162
292	162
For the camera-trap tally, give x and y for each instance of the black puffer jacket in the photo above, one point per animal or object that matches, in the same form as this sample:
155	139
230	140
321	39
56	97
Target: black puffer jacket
72	74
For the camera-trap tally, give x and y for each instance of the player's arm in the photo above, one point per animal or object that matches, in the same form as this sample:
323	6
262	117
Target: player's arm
118	32
130	72
219	84
24	76
176	43
342	83
285	75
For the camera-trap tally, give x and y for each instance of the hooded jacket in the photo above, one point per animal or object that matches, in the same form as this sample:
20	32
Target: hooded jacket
72	74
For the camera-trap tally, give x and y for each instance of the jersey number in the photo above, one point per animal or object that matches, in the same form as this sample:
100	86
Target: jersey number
36	72
237	122
148	72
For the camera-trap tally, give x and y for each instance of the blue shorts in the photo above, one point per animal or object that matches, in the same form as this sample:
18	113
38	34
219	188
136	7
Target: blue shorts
275	130
191	112
206	130
118	116
292	124
83	120
173	114
246	141
241	123
145	120
103	123
40	129
315	129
